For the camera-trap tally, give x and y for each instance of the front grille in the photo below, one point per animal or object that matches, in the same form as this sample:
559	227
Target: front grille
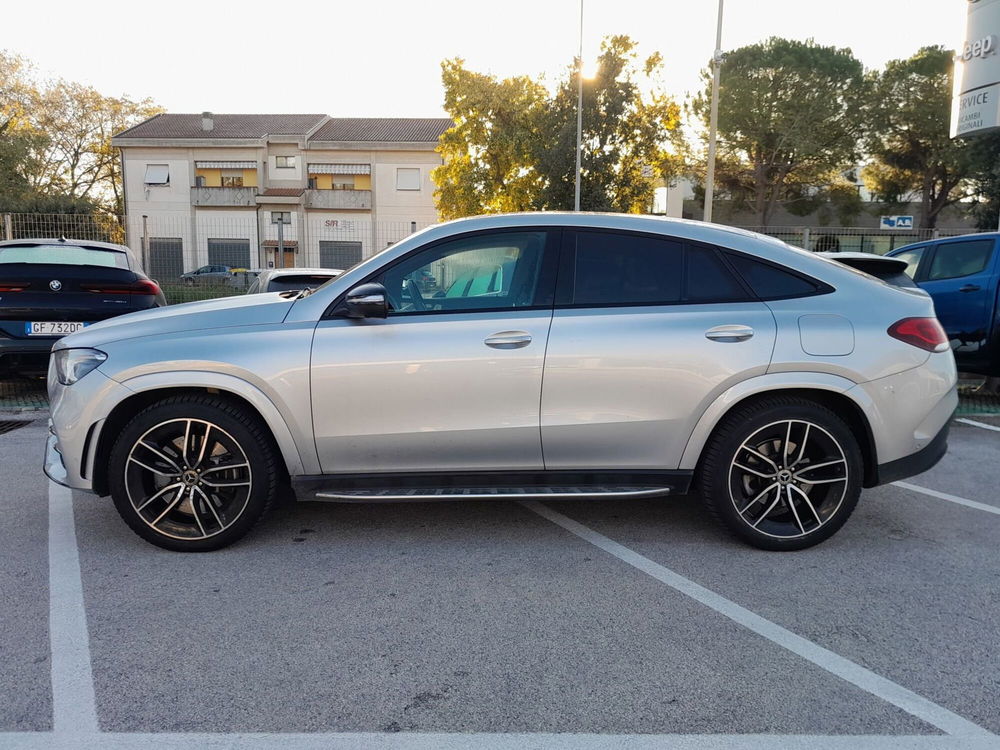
12	424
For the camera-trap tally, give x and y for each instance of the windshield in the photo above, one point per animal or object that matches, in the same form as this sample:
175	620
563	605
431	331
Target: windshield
67	255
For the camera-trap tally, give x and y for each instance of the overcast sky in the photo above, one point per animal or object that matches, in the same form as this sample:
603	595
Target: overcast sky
381	57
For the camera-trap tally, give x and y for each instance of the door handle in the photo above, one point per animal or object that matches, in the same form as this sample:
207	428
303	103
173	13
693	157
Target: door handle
508	340
731	333
970	288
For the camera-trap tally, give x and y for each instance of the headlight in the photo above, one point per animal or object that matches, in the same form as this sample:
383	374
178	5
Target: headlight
73	364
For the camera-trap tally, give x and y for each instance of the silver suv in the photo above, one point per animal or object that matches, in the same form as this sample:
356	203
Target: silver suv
553	356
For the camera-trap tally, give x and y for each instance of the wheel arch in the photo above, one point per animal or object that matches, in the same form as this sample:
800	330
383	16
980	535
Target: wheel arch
830	391
149	390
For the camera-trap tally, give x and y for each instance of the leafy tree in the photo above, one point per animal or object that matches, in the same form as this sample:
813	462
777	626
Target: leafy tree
489	152
624	136
55	141
513	145
909	141
790	118
984	158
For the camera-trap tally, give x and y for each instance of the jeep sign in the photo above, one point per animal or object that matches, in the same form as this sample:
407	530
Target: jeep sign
976	105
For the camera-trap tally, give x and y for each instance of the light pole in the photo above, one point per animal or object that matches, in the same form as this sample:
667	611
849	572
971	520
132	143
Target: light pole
713	120
579	115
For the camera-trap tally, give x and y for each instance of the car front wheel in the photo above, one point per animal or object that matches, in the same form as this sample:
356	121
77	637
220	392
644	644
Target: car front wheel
782	473
193	473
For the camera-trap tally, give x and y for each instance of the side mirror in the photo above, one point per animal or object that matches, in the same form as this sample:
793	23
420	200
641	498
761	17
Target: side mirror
365	301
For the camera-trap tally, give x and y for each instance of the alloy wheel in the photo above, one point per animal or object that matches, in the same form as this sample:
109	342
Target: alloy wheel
188	479
788	479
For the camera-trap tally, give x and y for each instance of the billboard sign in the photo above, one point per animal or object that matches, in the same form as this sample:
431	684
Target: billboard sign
976	103
896	222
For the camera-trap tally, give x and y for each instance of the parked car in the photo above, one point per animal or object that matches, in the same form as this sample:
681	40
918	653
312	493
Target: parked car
890	270
962	275
620	357
53	287
292	279
208	275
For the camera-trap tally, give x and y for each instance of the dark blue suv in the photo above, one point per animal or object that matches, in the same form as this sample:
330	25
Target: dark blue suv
962	275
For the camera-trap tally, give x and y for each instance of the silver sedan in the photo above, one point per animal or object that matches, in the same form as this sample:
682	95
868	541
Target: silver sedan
535	355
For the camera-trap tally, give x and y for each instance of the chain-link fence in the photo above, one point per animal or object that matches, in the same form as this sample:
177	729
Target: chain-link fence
200	250
853	239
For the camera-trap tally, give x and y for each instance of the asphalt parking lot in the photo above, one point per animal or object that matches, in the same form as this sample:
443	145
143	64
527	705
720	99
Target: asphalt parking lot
632	624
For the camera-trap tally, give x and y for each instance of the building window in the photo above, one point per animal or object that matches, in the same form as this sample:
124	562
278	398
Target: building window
407	178
232	178
281	217
157	174
284	162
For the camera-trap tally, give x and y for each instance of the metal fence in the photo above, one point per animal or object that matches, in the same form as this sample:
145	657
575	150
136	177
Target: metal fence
170	244
853	239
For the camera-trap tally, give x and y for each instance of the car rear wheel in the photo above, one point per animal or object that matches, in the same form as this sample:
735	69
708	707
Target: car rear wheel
782	473
193	473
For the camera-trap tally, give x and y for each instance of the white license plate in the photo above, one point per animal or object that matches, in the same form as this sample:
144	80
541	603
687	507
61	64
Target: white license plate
52	328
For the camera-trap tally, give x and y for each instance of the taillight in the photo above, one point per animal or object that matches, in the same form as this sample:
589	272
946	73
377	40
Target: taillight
924	333
13	287
142	286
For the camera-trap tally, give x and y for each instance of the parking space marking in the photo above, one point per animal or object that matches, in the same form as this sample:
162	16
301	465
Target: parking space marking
881	687
974	423
950	498
73	705
484	741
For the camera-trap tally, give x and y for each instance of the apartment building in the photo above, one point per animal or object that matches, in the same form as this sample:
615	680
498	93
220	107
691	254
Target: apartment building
264	190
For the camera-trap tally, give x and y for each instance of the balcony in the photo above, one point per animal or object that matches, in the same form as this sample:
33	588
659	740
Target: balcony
223	196
356	199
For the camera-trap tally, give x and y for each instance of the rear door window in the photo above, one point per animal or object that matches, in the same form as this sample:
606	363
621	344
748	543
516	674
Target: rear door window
67	255
953	260
617	268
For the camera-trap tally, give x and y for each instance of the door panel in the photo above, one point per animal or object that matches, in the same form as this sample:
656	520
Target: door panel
960	279
452	379
647	329
625	386
426	392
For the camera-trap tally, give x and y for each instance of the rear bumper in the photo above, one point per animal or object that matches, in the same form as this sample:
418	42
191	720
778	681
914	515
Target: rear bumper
916	463
14	352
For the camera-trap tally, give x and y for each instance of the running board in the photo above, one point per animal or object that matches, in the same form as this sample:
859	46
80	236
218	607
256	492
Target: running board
425	494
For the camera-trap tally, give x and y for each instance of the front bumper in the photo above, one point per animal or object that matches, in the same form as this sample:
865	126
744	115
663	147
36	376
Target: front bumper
55	469
78	414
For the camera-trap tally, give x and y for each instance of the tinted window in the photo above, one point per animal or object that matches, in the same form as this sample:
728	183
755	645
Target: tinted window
707	279
68	255
771	282
485	272
621	269
912	258
955	259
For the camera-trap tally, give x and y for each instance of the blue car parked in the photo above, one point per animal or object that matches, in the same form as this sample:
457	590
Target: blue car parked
962	275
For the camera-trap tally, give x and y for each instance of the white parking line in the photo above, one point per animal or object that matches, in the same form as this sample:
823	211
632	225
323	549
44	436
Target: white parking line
481	741
879	686
974	423
949	498
73	706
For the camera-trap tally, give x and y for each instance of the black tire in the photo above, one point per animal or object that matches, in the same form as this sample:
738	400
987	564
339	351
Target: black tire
233	486
771	443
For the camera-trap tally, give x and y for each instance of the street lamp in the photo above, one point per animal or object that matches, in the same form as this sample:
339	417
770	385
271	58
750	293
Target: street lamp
713	123
579	115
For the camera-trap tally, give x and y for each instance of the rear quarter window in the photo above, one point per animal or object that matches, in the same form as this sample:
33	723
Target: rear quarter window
770	282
